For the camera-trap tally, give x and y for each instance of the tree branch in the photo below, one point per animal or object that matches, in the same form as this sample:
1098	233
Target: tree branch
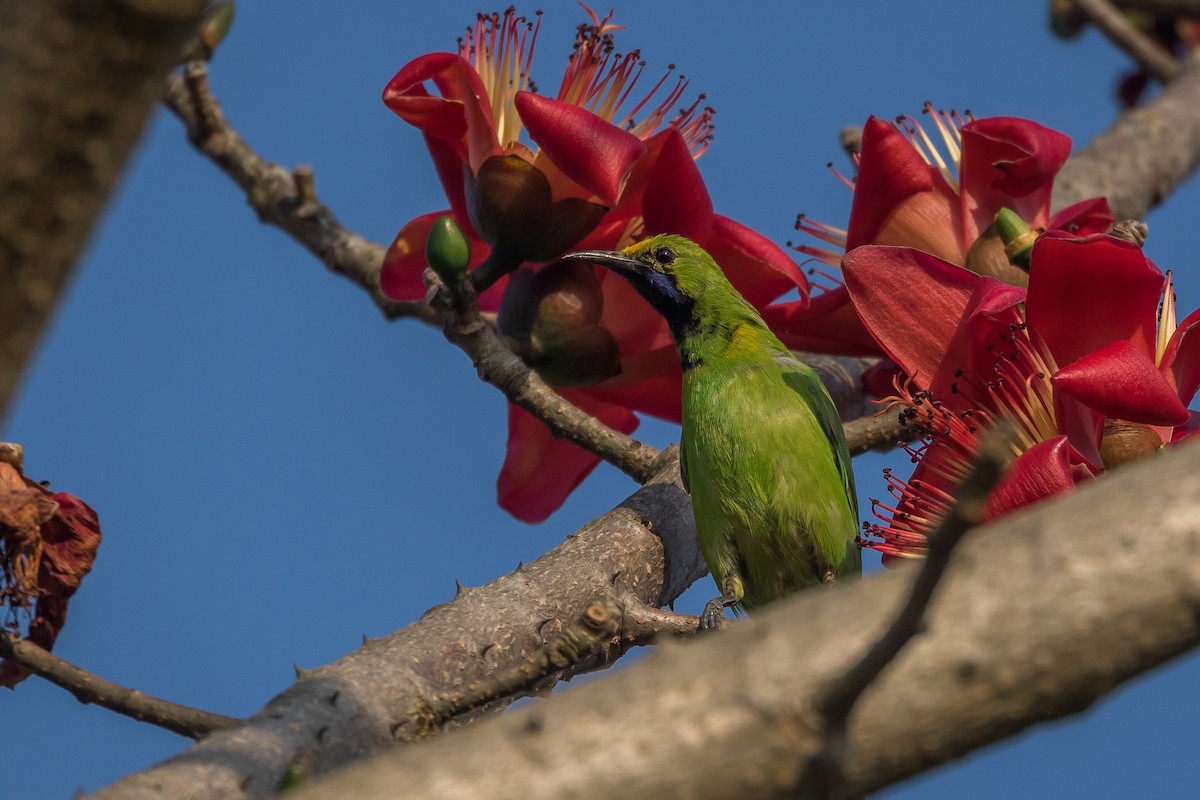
1163	8
88	688
836	700
644	550
1149	54
77	81
1082	593
281	199
1144	154
498	365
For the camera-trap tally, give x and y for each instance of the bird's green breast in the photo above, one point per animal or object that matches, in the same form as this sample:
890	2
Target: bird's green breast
769	495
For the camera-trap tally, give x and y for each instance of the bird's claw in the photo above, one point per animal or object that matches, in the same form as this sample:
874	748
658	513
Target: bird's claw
712	618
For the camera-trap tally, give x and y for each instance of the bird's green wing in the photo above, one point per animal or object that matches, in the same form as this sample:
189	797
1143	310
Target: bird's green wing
800	378
683	467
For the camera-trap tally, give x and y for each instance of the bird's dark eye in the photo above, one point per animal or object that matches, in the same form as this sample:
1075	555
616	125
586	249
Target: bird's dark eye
664	255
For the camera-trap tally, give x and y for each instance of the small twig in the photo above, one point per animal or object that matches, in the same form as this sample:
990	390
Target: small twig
88	688
876	432
277	196
837	699
499	366
1150	55
494	267
596	627
644	623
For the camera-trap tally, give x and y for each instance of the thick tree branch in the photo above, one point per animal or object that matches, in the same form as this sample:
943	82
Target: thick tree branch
1039	615
644	551
77	81
88	688
1149	54
836	700
1142	156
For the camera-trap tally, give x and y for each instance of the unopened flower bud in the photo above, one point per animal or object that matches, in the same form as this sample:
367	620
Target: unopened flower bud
1017	236
551	320
1066	20
1125	442
447	251
510	204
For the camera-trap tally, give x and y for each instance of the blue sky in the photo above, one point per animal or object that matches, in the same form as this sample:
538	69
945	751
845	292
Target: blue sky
278	470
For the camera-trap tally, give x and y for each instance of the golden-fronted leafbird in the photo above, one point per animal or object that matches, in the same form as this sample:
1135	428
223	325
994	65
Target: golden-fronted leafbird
762	451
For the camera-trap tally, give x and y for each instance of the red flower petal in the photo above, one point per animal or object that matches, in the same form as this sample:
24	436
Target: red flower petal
588	149
900	200
676	199
405	94
1181	360
650	382
636	326
915	305
757	267
1008	162
1121	381
1122	289
1042	471
826	323
540	471
1084	218
451	171
1188	429
462	114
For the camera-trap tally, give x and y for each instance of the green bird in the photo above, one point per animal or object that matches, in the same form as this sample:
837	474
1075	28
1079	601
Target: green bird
762	451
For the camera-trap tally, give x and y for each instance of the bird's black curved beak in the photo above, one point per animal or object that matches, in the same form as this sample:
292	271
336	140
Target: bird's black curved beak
613	259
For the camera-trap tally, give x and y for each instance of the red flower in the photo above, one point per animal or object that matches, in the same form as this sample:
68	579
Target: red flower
47	544
594	178
1088	371
909	194
1096	301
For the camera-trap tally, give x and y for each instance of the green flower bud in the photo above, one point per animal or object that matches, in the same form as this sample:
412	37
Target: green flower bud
447	251
1017	236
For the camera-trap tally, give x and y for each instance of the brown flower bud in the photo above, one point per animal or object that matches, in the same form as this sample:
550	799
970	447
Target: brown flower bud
551	320
1125	442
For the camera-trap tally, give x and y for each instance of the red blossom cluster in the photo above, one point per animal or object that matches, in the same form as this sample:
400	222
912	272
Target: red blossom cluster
1081	353
530	177
1069	344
